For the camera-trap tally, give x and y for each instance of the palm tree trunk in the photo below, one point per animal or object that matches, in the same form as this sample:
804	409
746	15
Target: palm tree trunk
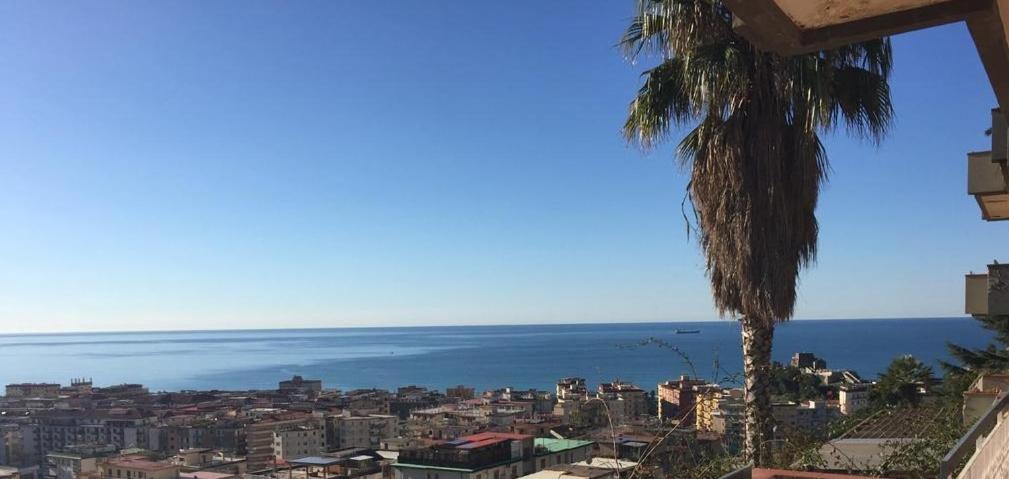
757	337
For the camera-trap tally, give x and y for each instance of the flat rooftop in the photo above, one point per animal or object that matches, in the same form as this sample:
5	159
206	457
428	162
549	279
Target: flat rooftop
569	472
315	461
139	463
560	445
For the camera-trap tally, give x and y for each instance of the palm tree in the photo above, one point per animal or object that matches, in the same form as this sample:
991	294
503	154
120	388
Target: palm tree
754	154
899	384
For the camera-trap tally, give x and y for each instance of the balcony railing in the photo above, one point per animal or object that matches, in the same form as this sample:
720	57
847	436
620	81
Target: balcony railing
988	439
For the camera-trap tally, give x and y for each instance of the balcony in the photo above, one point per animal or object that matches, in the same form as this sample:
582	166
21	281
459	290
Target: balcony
988	294
987	442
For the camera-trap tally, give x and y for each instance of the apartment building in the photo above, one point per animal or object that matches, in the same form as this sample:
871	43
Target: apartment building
260	438
124	391
198	462
460	392
534	401
625	401
56	429
538	427
804	416
676	400
367	401
729	423
32	390
300	385
555	452
11	448
298	441
709	399
408	399
216	433
76	464
571	389
853	397
480	456
368	431
136	467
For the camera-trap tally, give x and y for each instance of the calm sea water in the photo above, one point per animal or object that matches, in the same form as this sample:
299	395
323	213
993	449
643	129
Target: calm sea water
480	356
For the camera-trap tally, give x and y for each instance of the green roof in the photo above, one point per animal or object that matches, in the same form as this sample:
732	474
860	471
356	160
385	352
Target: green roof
560	445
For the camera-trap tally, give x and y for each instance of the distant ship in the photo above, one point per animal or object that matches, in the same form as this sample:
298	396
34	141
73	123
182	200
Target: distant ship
688	331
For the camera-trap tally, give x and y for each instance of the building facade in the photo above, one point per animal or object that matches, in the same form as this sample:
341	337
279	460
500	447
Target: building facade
32	390
299	441
366	431
133	467
676	400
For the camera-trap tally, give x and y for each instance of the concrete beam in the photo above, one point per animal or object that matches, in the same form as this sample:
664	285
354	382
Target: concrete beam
767	26
989	28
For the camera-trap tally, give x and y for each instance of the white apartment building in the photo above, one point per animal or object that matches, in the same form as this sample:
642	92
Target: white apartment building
853	397
298	442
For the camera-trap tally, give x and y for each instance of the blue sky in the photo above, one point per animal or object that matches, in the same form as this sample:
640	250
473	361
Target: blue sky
195	165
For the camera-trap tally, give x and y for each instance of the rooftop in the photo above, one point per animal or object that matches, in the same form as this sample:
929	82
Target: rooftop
569	472
560	445
315	461
608	463
503	435
139	463
204	475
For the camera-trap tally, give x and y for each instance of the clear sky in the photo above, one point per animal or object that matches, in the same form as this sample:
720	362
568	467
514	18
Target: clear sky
204	165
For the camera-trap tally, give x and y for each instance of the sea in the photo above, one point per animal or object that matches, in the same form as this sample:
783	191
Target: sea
485	357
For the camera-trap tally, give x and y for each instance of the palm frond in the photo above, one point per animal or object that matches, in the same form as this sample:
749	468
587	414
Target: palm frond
662	102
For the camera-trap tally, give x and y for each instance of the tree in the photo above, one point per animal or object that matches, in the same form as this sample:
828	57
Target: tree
794	385
995	357
900	383
754	154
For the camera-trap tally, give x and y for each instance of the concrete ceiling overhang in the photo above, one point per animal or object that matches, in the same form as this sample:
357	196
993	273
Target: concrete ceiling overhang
790	27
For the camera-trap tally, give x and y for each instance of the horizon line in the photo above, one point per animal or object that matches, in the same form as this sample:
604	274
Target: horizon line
564	323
